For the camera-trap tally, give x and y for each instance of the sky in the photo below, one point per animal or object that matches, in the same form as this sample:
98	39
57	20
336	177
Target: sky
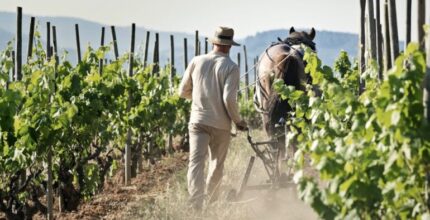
247	17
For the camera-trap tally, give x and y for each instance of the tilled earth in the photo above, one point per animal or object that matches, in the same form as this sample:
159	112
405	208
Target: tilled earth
117	201
112	201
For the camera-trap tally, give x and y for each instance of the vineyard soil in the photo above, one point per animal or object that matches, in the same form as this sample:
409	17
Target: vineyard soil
116	197
159	192
264	204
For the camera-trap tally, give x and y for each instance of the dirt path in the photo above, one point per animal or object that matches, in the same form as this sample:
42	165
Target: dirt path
282	204
160	192
254	205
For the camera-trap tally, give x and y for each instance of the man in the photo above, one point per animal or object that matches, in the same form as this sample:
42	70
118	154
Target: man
211	81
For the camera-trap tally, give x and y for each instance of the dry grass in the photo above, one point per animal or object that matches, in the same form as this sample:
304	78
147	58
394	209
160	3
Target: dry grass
172	204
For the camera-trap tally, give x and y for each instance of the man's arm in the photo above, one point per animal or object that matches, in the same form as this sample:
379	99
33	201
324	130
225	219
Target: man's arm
231	87
186	86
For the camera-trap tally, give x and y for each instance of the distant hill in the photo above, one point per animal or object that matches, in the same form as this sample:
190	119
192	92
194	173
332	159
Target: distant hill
4	37
328	43
90	35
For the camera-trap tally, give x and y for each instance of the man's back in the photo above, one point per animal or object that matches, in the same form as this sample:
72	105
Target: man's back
214	82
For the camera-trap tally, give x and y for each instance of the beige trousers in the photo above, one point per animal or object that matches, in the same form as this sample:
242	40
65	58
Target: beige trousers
203	140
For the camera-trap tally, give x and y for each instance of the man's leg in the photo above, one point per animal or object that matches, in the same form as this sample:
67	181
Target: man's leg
218	148
199	141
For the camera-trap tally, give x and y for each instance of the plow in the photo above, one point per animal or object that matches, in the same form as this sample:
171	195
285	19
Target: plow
268	152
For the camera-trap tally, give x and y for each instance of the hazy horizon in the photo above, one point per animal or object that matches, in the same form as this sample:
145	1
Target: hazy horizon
190	32
245	17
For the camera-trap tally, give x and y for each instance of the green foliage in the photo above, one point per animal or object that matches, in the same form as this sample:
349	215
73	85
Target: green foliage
247	109
82	116
371	150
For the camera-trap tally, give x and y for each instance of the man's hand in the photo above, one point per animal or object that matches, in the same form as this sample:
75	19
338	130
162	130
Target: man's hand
242	126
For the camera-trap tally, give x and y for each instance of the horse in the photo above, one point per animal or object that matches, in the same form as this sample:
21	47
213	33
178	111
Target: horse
281	60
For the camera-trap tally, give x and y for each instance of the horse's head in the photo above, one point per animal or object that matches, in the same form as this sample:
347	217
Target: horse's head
296	39
300	37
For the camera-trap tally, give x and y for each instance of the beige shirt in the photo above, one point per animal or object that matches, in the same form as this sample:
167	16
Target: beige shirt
211	81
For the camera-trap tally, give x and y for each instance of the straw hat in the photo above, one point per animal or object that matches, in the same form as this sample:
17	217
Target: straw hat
223	36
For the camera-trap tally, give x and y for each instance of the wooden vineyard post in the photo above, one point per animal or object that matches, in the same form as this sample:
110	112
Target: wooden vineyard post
31	38
145	56
255	70
48	40
49	190
394	37
372	29
78	43
156	58
115	42
408	22
379	41
54	40
172	60
18	49
172	77
427	85
185	53
245	58
55	53
387	37
196	44
238	64
420	22
102	43
18	64
238	60
55	49
362	39
49	195
128	146
206	45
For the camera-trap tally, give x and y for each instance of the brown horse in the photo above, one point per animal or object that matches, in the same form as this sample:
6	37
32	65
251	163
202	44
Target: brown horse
282	60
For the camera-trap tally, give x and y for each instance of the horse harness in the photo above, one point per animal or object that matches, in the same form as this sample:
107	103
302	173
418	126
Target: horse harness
292	43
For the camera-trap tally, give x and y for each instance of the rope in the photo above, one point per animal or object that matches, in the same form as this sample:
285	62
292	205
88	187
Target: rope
243	88
247	72
258	62
258	78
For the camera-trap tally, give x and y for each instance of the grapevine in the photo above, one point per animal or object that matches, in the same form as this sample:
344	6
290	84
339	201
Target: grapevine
371	151
81	116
